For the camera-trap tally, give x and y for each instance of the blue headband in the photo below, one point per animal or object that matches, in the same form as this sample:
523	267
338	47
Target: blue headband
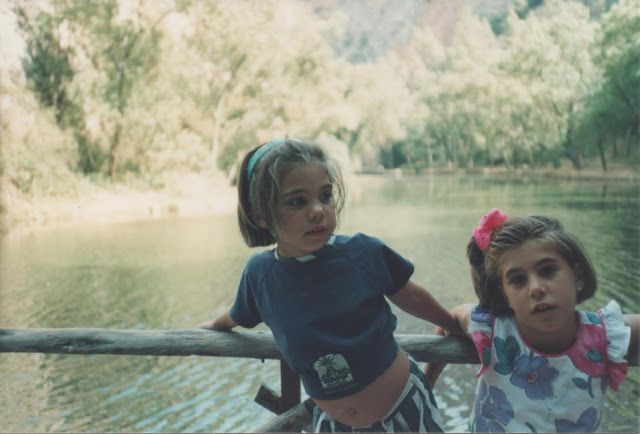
262	150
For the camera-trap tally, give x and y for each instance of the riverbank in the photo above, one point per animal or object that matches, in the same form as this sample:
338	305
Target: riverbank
590	172
184	195
191	195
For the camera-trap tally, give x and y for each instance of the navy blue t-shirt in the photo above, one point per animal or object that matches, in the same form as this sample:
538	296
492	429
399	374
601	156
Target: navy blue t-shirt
327	310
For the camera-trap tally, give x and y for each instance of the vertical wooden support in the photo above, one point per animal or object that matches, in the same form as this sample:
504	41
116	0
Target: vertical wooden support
289	387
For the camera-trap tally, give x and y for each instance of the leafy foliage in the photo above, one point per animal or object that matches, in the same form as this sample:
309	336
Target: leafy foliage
140	89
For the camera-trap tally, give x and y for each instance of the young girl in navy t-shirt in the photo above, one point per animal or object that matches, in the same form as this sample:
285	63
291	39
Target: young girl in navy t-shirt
324	296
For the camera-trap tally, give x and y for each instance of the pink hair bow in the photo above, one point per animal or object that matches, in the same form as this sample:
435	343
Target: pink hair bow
488	223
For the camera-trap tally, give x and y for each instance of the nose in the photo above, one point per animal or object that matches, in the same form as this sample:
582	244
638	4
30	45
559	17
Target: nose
316	212
537	289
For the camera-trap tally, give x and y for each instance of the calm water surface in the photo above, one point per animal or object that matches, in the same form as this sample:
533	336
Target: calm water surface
177	273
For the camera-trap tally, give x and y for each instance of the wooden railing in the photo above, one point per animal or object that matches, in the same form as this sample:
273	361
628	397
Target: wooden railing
293	415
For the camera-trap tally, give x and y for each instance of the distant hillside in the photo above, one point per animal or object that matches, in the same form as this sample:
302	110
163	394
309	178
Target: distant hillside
377	26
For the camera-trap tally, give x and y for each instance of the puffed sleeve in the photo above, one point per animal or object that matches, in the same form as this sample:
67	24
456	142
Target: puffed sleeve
618	337
480	329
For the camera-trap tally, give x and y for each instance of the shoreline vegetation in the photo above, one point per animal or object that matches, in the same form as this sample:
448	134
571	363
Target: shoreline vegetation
116	113
194	195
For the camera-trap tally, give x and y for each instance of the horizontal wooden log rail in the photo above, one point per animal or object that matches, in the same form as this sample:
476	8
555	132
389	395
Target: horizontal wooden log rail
256	345
293	414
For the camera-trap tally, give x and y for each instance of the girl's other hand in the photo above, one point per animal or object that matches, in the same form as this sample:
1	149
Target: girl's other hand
433	370
223	323
208	325
633	353
455	330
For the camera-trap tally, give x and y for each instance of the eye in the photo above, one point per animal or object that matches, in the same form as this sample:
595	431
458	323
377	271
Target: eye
326	196
548	271
296	202
516	280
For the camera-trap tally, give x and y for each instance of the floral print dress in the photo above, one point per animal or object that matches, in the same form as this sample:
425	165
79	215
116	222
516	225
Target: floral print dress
523	390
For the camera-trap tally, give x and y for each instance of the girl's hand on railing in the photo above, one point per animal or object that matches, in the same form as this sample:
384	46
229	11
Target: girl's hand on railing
222	323
433	370
208	325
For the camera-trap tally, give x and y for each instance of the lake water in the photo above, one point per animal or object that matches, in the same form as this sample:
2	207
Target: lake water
174	274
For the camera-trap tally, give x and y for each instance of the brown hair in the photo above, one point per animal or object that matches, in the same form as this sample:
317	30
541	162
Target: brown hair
258	191
512	234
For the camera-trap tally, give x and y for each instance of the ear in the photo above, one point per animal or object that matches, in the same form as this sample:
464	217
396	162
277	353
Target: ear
579	284
577	270
259	220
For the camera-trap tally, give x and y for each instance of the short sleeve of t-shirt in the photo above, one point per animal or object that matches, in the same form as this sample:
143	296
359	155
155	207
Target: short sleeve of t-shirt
244	310
386	266
399	269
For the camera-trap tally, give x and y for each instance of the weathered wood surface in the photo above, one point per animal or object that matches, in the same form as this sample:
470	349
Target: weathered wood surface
139	342
257	345
296	419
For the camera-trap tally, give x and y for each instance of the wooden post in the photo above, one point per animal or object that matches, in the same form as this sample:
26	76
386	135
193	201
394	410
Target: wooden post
289	392
289	387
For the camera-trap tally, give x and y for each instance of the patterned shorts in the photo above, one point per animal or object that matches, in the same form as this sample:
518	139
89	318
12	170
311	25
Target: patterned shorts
414	411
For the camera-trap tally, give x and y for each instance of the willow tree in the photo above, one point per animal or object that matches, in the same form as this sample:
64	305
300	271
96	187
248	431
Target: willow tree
249	71
453	89
549	56
612	113
419	65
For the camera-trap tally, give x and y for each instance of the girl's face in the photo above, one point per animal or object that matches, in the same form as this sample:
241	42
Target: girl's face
306	211
541	288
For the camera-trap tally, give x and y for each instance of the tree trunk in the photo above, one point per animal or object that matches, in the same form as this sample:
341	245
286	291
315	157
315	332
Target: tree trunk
113	150
572	152
630	141
603	158
429	155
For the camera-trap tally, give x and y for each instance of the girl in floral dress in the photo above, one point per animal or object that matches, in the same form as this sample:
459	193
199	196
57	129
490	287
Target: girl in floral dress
545	366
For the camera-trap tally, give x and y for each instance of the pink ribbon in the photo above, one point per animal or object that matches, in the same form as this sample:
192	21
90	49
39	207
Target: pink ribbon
489	222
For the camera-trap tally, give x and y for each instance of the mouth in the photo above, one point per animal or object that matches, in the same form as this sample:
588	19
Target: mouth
542	307
317	231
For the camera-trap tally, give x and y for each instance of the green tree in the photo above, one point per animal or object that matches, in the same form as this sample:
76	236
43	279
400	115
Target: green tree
90	60
35	154
254	70
117	51
453	90
612	114
548	56
47	66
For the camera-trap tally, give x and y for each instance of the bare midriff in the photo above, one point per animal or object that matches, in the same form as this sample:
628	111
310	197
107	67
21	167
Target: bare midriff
372	403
